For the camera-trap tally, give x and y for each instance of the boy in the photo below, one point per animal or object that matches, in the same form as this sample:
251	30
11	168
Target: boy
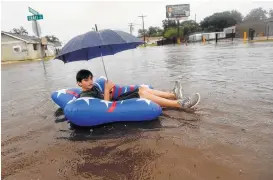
164	99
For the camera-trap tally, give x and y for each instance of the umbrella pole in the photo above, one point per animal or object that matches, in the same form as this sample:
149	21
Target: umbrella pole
104	67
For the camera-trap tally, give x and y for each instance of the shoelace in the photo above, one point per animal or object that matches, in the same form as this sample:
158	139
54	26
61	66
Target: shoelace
185	102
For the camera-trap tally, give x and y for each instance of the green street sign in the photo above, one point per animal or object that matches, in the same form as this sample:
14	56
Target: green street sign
35	17
33	11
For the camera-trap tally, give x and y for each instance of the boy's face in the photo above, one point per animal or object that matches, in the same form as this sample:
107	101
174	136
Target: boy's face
86	84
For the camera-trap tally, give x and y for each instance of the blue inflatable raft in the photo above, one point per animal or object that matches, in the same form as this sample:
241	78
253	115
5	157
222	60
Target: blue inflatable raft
88	111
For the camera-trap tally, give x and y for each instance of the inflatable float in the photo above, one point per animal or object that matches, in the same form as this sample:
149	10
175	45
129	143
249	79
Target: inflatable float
88	111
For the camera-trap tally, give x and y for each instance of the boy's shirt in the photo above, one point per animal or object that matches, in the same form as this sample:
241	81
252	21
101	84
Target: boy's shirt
93	92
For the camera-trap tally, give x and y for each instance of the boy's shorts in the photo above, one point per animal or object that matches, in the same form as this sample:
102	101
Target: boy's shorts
127	95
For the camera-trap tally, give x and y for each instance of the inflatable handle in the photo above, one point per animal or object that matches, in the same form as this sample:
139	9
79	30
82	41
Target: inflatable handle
117	89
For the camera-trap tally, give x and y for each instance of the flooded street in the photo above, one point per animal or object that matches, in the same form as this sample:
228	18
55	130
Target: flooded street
228	137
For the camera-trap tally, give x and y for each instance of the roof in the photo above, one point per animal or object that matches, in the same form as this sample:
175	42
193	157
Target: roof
269	20
27	39
57	44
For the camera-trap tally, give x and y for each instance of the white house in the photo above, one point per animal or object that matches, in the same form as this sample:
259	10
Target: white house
22	47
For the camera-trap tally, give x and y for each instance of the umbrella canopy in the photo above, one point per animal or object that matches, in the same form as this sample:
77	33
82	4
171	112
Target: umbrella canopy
97	43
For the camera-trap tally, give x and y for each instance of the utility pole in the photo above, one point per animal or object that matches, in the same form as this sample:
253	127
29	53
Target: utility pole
131	27
195	18
96	27
143	28
267	30
178	32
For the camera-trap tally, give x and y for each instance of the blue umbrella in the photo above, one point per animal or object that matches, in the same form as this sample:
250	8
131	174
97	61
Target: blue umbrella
97	44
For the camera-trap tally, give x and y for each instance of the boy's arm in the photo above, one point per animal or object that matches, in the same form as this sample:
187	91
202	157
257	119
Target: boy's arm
106	94
107	90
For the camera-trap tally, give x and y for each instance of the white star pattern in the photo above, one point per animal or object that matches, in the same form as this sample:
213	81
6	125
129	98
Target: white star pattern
106	102
121	102
72	100
146	100
99	86
144	85
125	90
62	91
86	99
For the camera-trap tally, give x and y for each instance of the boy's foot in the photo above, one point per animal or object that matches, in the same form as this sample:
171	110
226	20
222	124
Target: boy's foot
178	90
189	102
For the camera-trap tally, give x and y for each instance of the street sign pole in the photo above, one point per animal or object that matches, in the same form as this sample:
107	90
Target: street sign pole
36	16
41	46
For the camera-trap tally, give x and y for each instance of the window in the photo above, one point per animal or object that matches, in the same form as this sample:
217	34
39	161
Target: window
17	49
35	47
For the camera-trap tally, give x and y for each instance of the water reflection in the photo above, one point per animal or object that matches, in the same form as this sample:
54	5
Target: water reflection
120	129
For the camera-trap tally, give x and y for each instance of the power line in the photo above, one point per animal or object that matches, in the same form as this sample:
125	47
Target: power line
143	27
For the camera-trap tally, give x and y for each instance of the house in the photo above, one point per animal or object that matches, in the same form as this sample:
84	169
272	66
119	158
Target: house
261	27
22	47
151	40
58	46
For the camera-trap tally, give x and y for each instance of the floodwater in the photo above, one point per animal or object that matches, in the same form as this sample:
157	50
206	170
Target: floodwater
229	136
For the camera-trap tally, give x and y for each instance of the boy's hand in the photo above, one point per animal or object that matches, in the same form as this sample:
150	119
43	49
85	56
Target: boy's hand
109	85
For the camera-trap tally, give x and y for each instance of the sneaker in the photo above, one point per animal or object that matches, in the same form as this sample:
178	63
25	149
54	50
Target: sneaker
189	102
180	96
178	90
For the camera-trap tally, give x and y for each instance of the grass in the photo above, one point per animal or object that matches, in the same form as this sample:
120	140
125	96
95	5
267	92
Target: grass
27	60
148	45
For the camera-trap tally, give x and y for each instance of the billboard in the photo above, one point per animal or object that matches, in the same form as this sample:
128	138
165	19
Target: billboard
179	11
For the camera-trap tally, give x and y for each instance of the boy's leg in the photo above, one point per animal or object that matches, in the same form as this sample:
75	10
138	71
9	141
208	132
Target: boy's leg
186	102
166	95
157	99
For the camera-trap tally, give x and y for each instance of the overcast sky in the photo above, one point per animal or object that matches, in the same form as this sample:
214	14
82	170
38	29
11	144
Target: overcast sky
68	19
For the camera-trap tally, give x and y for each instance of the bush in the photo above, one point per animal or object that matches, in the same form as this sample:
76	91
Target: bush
172	32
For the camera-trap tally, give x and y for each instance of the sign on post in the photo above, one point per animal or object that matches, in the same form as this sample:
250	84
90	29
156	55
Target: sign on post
178	11
36	28
33	11
35	17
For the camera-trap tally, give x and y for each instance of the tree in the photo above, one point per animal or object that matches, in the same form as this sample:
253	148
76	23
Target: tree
256	14
218	21
185	28
172	32
159	31
52	38
237	16
141	32
189	27
168	24
20	31
154	31
270	13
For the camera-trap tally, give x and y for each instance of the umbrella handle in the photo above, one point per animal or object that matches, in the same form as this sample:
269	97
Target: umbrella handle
104	68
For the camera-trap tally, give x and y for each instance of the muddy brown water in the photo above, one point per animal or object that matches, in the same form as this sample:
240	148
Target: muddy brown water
228	137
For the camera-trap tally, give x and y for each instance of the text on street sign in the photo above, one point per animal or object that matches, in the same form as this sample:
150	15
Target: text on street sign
35	17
